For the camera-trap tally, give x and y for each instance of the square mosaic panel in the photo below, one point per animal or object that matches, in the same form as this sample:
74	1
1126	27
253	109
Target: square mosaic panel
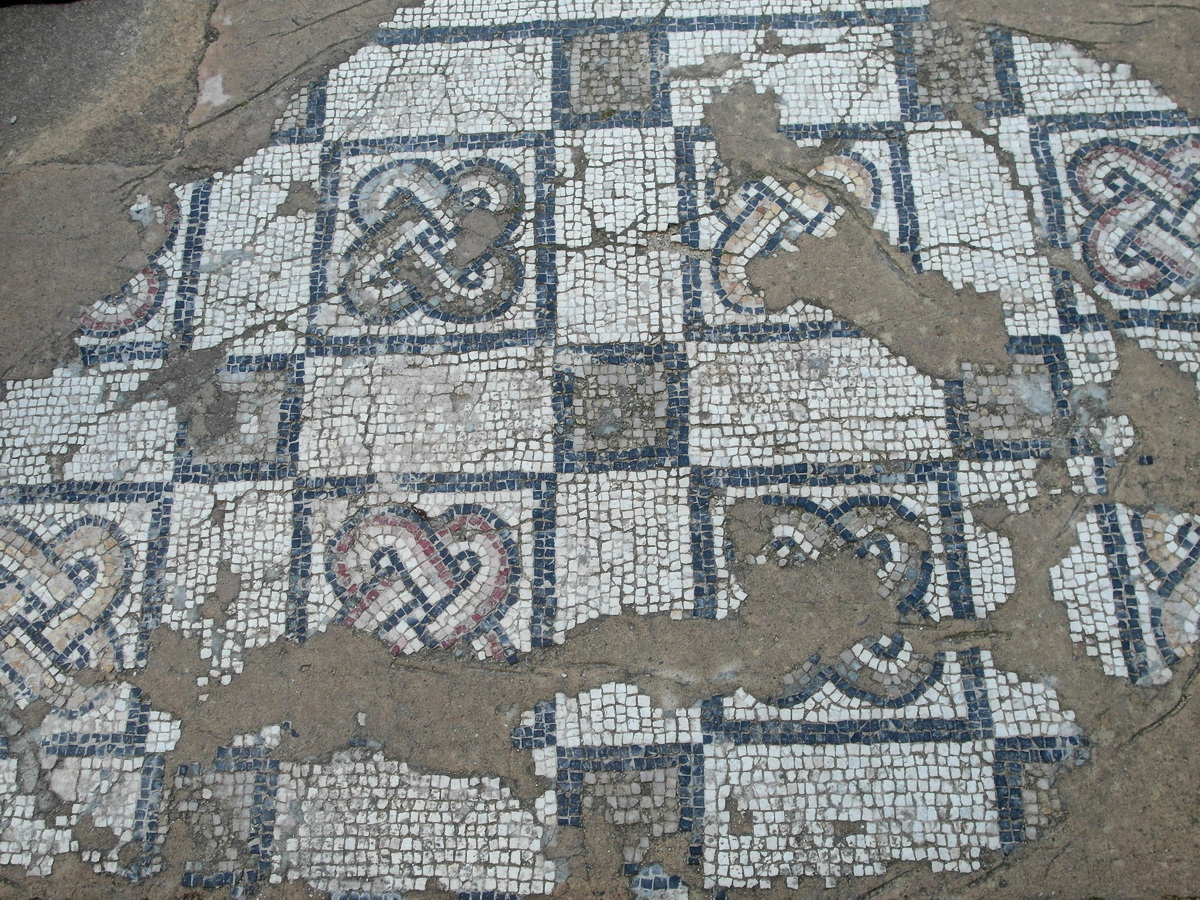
432	238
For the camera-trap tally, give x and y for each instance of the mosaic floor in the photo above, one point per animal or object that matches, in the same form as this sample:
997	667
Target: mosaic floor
491	361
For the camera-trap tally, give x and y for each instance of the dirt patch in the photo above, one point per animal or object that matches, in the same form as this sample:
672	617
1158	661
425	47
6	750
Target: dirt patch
1162	403
65	242
301	197
745	126
865	281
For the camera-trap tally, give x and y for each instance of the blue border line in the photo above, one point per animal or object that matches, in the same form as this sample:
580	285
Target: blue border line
774	332
400	344
545	238
146	816
1124	591
1070	319
193	250
575	762
909	227
953	533
904	49
843	131
1011	757
1008	79
313	129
